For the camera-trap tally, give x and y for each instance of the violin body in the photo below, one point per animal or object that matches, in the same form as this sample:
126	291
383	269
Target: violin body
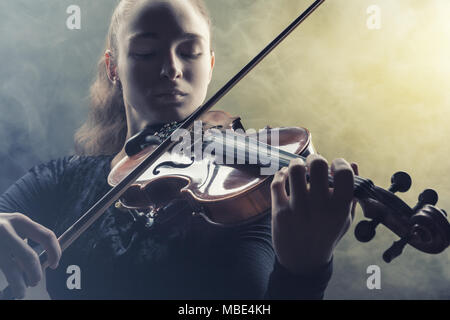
224	194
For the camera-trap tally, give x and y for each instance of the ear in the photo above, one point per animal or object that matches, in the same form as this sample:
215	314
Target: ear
213	62
111	68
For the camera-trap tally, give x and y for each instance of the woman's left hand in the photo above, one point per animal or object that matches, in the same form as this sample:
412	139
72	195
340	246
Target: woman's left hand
308	223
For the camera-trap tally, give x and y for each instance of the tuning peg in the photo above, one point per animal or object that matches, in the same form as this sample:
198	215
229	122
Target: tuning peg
417	232
395	250
365	230
428	196
400	182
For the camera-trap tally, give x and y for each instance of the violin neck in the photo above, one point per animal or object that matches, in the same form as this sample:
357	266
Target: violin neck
245	150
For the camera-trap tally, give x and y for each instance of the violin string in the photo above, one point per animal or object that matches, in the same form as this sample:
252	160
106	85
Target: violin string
358	180
247	145
255	146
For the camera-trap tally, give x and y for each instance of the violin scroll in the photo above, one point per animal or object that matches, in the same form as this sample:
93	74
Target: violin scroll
424	227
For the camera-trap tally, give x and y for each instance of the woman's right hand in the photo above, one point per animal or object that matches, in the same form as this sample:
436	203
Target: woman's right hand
18	261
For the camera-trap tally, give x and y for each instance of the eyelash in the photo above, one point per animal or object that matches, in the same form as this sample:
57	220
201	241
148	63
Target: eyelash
191	56
151	55
146	55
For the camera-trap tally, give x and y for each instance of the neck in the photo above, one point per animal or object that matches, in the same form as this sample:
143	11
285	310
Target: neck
135	123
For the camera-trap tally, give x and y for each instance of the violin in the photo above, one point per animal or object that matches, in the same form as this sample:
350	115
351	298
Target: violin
229	194
234	194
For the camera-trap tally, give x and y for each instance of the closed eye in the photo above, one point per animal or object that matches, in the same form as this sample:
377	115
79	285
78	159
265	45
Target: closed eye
144	55
191	55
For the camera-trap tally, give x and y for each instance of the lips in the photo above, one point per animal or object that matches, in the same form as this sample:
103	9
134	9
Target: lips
172	96
170	92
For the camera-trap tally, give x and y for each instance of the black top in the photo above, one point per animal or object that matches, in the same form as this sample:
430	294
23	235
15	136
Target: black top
185	258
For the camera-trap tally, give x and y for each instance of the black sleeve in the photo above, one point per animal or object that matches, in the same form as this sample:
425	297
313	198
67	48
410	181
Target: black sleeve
257	273
36	194
287	286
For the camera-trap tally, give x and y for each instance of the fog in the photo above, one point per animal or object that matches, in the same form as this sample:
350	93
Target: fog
378	97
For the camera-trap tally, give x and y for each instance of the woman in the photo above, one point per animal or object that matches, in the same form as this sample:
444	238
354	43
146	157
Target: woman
156	70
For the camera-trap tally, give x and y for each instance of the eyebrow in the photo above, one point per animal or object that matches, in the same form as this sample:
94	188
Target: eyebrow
153	35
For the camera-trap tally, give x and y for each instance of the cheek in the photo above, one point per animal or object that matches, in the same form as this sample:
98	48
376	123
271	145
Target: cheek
140	74
138	79
198	76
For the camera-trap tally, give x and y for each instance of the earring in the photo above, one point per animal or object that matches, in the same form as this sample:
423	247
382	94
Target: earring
117	82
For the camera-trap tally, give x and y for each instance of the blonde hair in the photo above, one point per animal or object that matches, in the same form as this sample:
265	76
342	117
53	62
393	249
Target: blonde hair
105	129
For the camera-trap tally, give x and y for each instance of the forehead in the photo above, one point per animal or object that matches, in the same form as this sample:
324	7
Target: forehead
164	19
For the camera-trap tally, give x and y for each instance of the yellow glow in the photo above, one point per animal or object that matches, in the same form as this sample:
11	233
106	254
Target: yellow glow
377	97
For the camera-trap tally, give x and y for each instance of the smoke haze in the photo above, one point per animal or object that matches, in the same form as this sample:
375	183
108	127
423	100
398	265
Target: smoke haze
376	97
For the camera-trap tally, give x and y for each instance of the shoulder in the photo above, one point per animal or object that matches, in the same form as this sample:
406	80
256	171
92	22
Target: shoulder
46	186
57	170
72	162
75	161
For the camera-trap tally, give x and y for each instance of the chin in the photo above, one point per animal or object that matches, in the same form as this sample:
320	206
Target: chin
169	113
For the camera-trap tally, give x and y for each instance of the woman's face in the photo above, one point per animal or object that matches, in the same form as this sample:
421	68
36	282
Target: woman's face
165	61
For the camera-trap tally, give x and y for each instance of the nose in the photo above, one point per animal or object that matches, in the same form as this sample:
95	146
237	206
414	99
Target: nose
171	67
